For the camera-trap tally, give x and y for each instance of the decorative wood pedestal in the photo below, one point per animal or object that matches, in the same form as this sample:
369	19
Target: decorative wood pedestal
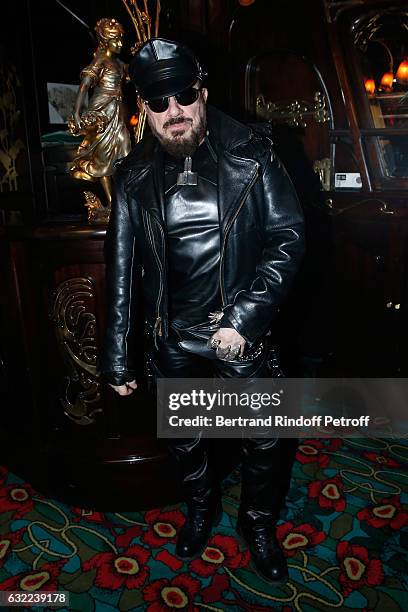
64	430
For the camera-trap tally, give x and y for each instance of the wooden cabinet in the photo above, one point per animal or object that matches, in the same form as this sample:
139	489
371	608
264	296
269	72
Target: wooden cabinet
304	70
57	413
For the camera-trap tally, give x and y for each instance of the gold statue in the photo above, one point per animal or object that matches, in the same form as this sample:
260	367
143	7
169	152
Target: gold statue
96	212
106	137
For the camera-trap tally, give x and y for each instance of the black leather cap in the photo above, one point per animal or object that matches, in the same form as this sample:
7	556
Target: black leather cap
163	68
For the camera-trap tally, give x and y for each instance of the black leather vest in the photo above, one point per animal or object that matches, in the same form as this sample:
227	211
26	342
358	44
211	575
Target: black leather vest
193	239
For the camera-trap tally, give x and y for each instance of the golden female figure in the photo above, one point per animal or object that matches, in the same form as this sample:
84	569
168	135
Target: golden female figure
106	138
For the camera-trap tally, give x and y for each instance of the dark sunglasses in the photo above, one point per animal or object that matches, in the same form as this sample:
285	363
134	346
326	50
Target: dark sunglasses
184	98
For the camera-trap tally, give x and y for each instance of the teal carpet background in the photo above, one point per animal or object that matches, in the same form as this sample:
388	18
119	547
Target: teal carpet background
344	532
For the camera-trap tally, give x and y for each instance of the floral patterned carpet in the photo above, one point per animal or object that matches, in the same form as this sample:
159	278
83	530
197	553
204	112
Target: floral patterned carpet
343	531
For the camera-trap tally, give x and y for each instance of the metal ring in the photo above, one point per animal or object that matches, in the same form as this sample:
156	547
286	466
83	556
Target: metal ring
215	343
234	353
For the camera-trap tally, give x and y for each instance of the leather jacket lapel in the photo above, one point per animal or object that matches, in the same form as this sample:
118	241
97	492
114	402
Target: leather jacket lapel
146	188
235	175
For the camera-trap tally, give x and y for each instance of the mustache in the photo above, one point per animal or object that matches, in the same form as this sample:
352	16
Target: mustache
176	120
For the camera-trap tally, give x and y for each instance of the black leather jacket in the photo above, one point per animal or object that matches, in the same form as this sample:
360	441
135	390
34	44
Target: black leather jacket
261	240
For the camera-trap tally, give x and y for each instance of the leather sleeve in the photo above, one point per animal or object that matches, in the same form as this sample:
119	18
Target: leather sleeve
122	273
282	223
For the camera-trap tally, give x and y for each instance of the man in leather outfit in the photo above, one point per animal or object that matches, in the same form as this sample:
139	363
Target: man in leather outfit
208	221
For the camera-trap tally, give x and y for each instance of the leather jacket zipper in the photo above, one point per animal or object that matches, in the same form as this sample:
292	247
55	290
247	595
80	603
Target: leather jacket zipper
157	329
227	229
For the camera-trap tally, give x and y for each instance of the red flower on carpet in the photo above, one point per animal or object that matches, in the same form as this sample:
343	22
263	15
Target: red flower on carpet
163	527
179	592
8	540
382	459
124	540
329	493
310	451
170	560
334	444
114	571
357	570
18	498
220	551
386	512
89	515
45	579
213	592
297	538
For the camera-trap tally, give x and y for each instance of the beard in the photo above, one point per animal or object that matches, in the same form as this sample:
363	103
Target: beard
179	145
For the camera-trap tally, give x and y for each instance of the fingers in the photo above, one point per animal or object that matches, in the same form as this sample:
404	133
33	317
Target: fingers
229	352
121	389
222	351
126	389
234	352
227	343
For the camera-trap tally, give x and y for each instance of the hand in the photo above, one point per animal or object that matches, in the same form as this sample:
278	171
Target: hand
75	124
77	121
227	343
126	389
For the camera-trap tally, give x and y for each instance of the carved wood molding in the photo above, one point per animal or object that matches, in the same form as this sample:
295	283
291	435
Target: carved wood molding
293	112
75	330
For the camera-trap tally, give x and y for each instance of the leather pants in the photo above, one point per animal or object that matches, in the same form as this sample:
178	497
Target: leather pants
266	463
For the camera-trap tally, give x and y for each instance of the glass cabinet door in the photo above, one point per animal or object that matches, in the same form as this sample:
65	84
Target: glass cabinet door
379	42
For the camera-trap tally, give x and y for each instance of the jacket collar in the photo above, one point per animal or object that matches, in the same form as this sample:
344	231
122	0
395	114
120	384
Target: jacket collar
226	133
145	165
145	182
235	172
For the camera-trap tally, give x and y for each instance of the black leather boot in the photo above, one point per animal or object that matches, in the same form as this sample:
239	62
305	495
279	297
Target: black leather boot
195	532
202	494
266	472
267	557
